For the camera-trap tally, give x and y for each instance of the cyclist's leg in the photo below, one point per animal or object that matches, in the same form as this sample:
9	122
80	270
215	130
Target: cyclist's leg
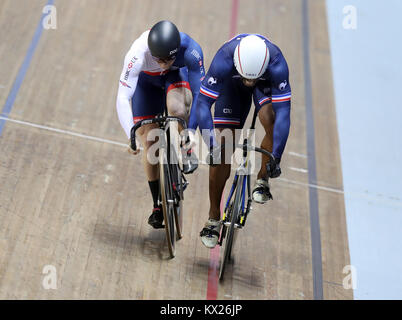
217	179
178	101
218	176
147	102
266	115
178	94
231	110
262	102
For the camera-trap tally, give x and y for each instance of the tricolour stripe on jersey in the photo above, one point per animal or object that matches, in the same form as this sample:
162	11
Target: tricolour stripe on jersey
264	100
209	93
226	121
281	98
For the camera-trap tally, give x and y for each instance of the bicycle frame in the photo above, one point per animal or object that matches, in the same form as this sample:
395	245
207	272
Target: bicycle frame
242	170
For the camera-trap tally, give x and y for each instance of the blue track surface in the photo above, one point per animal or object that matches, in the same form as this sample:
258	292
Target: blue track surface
367	69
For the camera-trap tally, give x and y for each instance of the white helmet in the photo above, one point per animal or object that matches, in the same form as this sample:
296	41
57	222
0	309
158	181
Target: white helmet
251	57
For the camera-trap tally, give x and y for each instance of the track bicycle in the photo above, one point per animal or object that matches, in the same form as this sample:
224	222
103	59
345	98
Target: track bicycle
237	208
171	178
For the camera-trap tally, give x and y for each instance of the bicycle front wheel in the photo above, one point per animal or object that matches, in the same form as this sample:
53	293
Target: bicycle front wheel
230	230
178	187
166	190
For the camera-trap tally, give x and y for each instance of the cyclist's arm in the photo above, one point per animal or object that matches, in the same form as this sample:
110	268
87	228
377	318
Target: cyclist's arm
211	86
204	119
195	65
127	86
281	102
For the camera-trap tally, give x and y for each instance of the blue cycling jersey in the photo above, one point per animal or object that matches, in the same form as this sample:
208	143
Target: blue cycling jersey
190	55
278	88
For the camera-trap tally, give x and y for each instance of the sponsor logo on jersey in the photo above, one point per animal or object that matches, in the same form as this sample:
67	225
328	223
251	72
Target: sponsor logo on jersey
212	81
124	84
196	54
227	110
283	85
129	67
267	91
131	64
201	67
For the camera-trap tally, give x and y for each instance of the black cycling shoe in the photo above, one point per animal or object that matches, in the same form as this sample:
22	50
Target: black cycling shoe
190	162
156	218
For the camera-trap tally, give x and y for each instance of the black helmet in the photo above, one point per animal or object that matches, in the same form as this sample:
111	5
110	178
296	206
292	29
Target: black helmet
164	40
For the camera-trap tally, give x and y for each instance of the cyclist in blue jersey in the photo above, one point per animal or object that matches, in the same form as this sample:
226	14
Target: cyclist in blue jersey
163	68
248	67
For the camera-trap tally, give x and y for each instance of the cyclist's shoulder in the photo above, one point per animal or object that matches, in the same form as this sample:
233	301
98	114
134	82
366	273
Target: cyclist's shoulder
222	63
190	48
139	47
278	68
186	39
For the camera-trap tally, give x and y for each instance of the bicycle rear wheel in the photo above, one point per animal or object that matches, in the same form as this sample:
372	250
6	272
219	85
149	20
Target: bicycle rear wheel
230	230
166	190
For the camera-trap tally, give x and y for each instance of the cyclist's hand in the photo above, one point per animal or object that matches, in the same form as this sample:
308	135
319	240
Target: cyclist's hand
188	142
130	150
273	169
215	156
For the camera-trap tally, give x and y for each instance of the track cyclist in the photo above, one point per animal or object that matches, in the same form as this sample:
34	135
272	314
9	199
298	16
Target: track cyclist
249	66
163	68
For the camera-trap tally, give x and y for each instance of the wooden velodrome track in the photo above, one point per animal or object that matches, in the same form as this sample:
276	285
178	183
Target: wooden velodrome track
82	205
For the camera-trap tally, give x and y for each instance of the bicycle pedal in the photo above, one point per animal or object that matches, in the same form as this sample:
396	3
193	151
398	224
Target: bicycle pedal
184	184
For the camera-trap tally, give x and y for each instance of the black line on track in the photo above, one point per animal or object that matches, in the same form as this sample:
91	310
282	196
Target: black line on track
312	172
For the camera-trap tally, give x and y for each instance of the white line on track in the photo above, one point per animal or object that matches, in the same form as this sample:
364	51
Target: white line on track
398	202
391	201
311	185
80	135
297	154
84	136
298	169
